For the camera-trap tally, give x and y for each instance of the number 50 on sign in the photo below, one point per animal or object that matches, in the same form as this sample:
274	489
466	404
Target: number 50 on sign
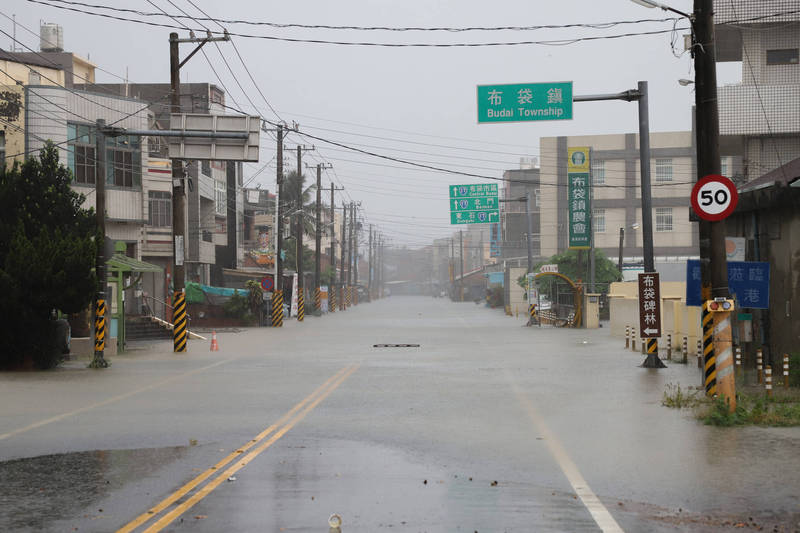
714	197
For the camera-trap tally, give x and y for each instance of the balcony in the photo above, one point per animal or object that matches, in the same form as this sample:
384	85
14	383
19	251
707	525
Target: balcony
741	112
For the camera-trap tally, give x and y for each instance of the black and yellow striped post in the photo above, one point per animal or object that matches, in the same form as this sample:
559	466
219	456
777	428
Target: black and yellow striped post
531	314
332	299
276	316
342	299
348	297
652	346
301	306
179	330
317	299
99	360
709	360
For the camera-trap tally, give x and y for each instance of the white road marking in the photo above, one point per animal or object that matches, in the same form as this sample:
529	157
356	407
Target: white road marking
592	503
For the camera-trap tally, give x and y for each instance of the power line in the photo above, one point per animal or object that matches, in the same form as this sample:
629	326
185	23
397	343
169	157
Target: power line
552	42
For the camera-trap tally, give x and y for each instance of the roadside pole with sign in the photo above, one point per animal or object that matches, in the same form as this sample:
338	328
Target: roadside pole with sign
714	198
579	198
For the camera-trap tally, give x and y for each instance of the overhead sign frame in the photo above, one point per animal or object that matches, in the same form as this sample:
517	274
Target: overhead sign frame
193	146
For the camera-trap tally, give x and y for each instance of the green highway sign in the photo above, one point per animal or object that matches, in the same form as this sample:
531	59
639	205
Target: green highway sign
484	216
474	204
471	191
523	102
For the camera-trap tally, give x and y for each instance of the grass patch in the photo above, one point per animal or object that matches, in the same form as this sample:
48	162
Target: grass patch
677	398
752	409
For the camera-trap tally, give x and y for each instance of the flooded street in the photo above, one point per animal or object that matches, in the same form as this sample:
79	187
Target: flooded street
547	430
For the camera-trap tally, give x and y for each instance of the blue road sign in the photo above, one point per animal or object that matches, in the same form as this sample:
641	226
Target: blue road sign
748	282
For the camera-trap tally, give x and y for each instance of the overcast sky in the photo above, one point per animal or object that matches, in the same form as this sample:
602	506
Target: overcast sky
410	103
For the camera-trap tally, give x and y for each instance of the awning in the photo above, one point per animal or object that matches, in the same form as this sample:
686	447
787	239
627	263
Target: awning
123	263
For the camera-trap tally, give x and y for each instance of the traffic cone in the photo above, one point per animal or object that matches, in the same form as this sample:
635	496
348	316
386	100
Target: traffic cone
214	345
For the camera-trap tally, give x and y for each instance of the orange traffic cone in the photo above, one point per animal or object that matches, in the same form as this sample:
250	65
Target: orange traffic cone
214	345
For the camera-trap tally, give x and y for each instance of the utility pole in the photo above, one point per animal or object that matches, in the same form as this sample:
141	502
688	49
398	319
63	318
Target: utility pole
350	248
301	311
713	260
333	285
355	254
621	243
342	278
100	308
180	328
277	292
318	246
370	265
461	255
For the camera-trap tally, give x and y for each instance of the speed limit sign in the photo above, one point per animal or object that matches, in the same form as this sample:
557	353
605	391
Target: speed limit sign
714	197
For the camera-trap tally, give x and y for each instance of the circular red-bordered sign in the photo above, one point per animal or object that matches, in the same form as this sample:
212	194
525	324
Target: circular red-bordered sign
266	283
714	197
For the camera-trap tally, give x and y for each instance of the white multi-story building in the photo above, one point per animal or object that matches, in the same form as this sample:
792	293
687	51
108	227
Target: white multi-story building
759	117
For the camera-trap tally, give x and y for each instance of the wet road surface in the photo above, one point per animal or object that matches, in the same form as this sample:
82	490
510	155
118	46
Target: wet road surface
486	426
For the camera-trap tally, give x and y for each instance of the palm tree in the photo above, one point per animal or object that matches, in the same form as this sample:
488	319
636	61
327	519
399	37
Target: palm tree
297	203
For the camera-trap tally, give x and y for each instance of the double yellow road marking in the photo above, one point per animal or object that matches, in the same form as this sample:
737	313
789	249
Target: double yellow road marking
258	443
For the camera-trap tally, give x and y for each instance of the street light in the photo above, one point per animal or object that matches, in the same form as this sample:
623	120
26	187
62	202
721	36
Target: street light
684	82
652	3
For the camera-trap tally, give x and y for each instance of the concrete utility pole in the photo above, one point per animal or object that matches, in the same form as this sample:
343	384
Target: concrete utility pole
350	260
355	251
713	260
299	236
277	293
621	243
370	265
318	245
100	309
461	256
342	277
180	329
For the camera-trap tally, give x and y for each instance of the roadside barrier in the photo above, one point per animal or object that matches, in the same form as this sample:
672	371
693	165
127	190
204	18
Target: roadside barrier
179	317
699	354
277	309
768	380
214	345
633	339
301	306
709	357
669	346
760	365
738	359
627	337
317	299
786	371
685	350
100	327
332	299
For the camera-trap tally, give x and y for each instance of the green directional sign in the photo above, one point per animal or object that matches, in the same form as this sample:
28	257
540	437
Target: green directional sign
523	102
474	204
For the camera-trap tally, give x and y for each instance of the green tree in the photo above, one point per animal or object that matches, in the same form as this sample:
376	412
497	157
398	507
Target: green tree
47	257
605	271
290	259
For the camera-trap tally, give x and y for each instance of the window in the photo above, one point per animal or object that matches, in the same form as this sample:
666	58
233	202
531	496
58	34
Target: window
160	208
81	153
663	219
724	167
124	161
598	172
599	220
537	198
220	203
663	170
786	56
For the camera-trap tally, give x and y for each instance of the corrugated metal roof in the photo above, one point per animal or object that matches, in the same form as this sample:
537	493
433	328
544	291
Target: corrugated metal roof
123	263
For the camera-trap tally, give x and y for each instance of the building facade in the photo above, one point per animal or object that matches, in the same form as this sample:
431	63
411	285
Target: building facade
616	194
759	117
513	215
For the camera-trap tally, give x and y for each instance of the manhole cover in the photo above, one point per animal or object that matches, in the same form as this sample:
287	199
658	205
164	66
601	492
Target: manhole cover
395	345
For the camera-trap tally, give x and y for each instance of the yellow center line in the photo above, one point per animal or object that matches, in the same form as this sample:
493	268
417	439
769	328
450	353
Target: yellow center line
320	393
